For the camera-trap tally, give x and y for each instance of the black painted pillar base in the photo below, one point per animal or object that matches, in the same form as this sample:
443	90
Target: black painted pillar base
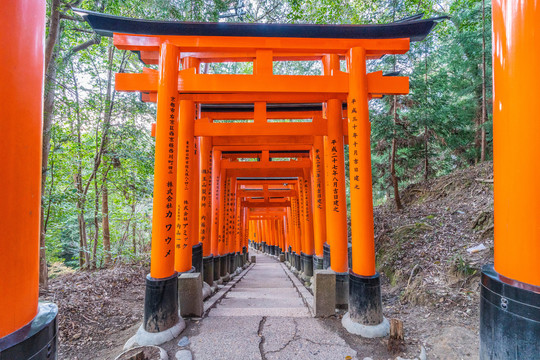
349	255
302	262
208	270
232	263
197	257
239	259
307	262
37	339
509	318
342	290
160	303
365	301
297	262
326	256
217	268
317	263
293	259
224	266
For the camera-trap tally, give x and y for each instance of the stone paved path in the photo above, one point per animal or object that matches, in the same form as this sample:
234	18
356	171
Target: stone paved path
264	317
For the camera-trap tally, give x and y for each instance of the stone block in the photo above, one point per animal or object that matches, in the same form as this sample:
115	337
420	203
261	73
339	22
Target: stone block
324	293
190	295
253	259
282	257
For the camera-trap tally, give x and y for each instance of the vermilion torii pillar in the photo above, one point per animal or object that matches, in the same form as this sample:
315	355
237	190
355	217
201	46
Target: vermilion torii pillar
510	288
28	328
336	200
318	201
161	298
217	184
365	302
205	196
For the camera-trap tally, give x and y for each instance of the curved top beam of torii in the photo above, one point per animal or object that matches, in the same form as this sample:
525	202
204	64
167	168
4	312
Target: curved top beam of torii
412	28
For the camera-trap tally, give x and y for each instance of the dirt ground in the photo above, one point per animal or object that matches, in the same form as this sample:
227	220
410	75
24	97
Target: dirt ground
96	308
430	280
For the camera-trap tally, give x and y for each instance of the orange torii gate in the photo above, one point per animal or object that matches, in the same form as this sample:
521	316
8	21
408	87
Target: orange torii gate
229	172
180	94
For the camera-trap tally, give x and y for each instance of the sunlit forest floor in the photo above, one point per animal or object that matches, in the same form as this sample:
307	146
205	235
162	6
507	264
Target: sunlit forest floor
430	280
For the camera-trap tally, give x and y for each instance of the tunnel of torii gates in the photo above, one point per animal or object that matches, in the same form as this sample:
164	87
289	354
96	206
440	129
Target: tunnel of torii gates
273	179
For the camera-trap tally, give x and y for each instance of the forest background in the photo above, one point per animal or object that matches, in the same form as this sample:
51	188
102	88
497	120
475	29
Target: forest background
98	154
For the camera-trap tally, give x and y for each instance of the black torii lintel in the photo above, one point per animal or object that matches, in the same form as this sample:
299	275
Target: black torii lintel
412	28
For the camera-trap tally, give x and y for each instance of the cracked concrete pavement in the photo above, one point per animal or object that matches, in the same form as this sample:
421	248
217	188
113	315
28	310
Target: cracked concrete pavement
264	317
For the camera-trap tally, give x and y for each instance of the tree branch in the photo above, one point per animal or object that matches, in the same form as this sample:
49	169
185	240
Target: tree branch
81	30
68	17
94	41
54	26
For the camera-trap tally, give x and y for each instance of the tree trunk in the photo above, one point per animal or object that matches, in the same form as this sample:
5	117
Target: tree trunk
96	224
84	258
51	53
426	132
393	176
133	228
105	223
426	153
483	120
393	150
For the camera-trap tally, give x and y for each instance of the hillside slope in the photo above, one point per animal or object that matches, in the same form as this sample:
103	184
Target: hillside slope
430	280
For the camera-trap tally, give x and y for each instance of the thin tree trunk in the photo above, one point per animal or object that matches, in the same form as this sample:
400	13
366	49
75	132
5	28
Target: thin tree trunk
393	150
84	258
393	176
96	224
483	120
134	227
51	53
426	132
84	254
105	223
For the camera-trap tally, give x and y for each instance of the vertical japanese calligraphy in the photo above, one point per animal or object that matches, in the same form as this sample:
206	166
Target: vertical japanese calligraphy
164	211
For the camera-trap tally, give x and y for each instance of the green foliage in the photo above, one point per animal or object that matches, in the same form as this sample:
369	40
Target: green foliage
437	123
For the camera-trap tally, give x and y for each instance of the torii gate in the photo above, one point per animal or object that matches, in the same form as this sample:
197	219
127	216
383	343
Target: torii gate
180	91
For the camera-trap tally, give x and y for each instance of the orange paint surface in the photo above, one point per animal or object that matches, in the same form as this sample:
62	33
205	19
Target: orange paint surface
363	243
205	194
22	31
318	195
186	223
516	131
